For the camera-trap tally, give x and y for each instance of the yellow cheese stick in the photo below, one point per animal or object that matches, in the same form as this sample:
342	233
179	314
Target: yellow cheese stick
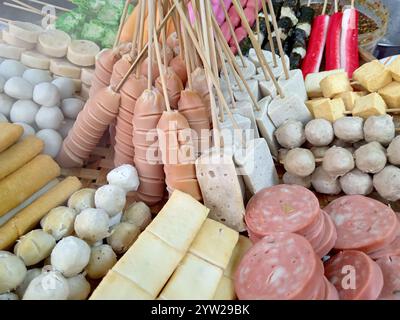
19	154
9	134
20	185
29	217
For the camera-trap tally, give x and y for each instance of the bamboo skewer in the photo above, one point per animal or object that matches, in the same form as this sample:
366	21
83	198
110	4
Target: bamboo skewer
160	67
228	81
232	31
265	67
324	7
23	4
51	5
163	34
135	36
257	9
141	29
278	38
187	60
150	26
8	4
336	5
121	23
269	32
144	50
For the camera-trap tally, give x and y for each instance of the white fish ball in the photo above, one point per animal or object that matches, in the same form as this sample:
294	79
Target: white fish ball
71	107
28	130
324	183
65	86
299	162
34	247
139	214
52	141
49	285
18	88
11	68
92	225
82	199
70	256
36	76
8	296
59	222
123	235
356	182
349	129
110	198
12	271
319	132
370	158
30	275
3	118
380	129
393	151
49	118
387	183
65	127
102	259
290	134
289	178
24	111
337	161
46	94
5	104
79	288
124	176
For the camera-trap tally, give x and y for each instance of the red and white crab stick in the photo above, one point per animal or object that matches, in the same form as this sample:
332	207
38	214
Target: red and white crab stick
349	40
333	39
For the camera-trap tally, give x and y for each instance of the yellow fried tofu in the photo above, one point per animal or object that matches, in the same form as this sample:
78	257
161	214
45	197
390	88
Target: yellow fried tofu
369	105
335	84
394	69
330	110
391	94
373	76
348	98
313	102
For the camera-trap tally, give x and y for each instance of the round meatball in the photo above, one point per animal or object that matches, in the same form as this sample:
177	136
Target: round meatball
300	162
380	129
289	178
337	161
387	183
370	158
319	132
324	183
290	134
356	182
393	151
349	129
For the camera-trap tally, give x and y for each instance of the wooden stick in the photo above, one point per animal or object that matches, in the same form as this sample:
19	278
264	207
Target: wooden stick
121	22
142	15
5	20
336	6
23	8
392	110
163	34
159	63
387	60
23	4
51	5
144	50
257	9
269	32
135	36
264	65
187	58
225	72
178	32
352	4
278	39
151	17
324	7
234	65
232	31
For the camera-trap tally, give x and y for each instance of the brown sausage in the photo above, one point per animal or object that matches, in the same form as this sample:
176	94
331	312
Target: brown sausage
148	110
174	87
199	81
178	65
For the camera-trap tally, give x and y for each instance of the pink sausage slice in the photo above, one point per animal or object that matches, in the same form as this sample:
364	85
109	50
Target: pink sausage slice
288	208
329	239
281	266
390	267
362	223
355	275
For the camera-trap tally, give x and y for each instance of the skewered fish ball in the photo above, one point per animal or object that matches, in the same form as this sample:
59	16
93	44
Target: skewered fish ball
319	152
46	94
387	183
337	161
370	158
356	182
290	134
319	132
393	151
349	129
324	183
300	162
380	129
